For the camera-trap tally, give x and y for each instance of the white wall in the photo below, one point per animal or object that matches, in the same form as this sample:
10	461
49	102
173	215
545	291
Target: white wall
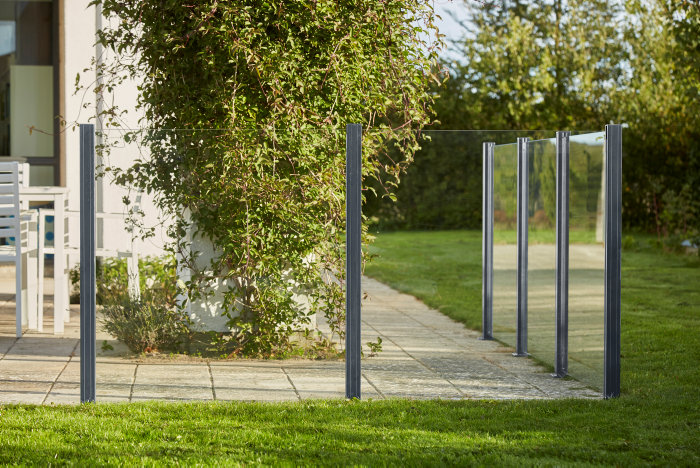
79	46
80	27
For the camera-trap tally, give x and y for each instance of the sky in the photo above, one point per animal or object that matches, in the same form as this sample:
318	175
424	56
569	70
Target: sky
448	10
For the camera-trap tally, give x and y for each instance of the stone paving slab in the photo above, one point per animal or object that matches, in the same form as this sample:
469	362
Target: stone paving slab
425	355
260	383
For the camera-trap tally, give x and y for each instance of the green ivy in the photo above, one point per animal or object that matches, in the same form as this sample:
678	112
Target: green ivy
261	91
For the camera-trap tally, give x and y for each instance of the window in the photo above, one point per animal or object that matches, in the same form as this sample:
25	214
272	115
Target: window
27	107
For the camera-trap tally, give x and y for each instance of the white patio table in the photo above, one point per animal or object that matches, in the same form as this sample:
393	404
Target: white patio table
59	197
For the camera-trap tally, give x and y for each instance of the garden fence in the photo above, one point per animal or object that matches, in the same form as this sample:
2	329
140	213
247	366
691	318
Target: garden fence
549	207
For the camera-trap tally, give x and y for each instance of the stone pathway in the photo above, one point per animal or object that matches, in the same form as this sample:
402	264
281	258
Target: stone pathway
425	355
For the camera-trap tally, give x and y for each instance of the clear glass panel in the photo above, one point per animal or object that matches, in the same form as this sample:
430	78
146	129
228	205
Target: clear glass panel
587	258
279	221
505	255
428	245
541	249
541	240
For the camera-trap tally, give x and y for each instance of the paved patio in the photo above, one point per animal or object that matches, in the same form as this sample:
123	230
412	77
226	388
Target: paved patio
425	355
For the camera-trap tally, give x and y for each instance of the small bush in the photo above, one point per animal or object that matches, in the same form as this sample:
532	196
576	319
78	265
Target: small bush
630	243
149	323
541	220
146	324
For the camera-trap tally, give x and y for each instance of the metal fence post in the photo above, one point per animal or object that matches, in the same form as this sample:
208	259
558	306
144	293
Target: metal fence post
561	355
522	225
487	245
613	242
353	262
87	264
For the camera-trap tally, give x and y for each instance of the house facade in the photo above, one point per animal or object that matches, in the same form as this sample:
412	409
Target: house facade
44	45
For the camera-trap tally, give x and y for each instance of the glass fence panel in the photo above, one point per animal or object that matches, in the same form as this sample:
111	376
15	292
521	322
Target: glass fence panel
209	242
505	204
587	258
541	249
427	245
239	238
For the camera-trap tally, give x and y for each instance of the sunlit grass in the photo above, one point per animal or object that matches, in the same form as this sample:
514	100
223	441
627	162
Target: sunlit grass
656	421
542	236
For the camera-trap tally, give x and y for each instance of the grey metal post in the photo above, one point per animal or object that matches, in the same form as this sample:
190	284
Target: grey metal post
613	241
487	245
353	262
561	354
87	264
523	188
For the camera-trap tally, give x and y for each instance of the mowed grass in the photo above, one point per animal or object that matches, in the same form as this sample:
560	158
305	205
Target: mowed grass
369	433
655	421
660	338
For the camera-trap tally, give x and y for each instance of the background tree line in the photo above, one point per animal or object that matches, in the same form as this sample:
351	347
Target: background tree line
566	65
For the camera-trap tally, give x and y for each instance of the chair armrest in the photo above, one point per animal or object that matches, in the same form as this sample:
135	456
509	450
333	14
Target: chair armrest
28	215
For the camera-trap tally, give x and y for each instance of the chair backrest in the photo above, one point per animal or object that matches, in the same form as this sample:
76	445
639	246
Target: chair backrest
9	200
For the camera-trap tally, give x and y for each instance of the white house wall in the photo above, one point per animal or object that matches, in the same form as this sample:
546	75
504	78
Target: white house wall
79	45
80	24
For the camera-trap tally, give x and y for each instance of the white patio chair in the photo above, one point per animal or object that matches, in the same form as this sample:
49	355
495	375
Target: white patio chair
23	174
131	254
22	227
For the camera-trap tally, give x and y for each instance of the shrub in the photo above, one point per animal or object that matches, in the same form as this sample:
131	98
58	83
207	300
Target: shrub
146	324
112	284
278	80
149	323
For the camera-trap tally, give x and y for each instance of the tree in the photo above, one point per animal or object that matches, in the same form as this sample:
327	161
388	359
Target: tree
661	103
552	65
540	65
263	90
577	65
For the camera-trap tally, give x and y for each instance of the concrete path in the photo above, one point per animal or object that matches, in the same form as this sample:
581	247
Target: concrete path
425	355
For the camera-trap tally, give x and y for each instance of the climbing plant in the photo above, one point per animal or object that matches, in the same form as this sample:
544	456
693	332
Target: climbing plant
248	100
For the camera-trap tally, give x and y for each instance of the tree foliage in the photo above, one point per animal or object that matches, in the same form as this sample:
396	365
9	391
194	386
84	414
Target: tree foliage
260	91
526	66
538	65
661	103
577	65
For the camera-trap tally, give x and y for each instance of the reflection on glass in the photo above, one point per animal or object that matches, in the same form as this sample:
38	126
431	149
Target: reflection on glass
586	251
541	249
505	202
586	258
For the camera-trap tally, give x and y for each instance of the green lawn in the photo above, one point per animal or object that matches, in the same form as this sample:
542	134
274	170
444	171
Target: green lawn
656	421
536	236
